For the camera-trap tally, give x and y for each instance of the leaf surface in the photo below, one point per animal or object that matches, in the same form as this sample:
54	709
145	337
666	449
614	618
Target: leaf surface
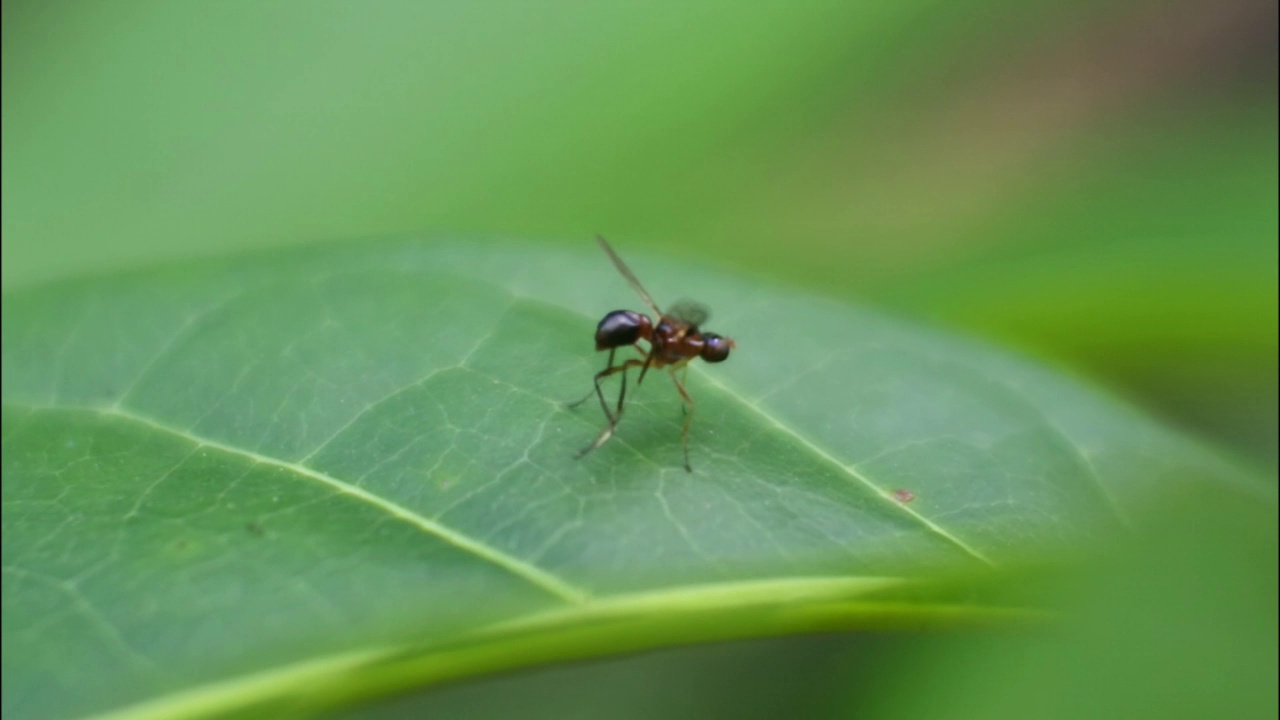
286	482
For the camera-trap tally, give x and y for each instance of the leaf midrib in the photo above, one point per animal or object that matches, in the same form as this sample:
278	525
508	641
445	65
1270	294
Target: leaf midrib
538	577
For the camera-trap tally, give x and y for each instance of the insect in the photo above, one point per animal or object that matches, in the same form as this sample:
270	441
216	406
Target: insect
673	341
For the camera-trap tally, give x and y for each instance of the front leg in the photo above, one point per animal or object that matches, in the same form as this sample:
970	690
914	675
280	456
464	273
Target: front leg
608	369
606	373
613	417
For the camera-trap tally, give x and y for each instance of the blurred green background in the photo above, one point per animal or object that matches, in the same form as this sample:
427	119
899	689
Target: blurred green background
1093	182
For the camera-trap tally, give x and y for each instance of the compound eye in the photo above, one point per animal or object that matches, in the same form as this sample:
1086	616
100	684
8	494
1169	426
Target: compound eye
715	348
618	328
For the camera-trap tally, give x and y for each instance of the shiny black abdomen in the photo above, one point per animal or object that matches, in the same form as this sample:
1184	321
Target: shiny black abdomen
619	328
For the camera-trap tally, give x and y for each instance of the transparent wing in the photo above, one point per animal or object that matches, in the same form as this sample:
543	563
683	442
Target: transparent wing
689	312
630	276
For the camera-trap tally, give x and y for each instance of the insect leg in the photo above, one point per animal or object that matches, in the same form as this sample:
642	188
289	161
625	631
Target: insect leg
613	419
644	367
653	353
684	377
602	374
622	394
688	406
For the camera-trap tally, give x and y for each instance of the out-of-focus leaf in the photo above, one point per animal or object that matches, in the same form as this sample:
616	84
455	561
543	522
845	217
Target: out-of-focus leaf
1177	620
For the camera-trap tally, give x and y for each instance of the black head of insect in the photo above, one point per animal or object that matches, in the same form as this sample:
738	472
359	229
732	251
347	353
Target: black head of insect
716	348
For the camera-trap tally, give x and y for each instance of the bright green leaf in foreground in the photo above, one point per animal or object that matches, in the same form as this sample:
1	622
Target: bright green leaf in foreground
289	482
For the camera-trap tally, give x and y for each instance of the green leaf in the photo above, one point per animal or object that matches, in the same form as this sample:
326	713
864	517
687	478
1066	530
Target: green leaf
285	483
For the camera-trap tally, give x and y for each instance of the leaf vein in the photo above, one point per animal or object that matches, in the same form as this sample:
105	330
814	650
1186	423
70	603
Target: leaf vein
534	575
849	470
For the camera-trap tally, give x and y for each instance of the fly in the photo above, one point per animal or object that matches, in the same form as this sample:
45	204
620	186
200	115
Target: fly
674	340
